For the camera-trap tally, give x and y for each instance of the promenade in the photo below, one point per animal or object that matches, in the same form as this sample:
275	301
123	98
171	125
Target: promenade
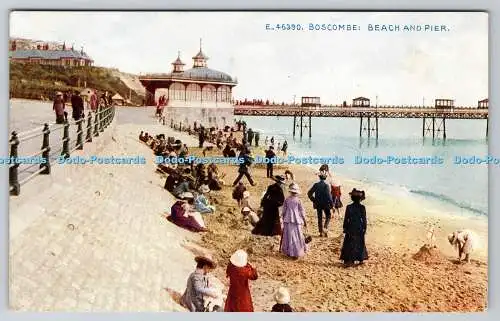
92	237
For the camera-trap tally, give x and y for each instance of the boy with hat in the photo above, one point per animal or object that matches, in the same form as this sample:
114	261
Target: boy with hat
282	298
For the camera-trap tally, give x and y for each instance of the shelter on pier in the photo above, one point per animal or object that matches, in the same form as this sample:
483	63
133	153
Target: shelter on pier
444	103
482	104
361	102
311	102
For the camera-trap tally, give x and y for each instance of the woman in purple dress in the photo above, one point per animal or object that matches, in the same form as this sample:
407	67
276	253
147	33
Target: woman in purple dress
292	240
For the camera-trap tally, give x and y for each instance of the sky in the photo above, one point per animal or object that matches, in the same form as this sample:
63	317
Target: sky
387	67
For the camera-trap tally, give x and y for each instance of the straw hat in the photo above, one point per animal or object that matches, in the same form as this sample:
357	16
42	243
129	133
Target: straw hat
246	209
294	188
239	258
206	261
58	93
186	195
246	194
204	189
282	296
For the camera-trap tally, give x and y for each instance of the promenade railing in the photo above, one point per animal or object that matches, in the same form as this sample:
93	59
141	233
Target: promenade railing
39	162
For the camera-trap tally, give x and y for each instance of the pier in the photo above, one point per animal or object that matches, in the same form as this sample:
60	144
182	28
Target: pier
433	118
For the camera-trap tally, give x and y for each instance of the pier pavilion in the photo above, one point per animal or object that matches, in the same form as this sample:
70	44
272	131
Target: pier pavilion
198	94
198	86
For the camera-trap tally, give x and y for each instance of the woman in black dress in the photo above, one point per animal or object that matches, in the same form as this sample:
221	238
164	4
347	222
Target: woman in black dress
354	248
269	224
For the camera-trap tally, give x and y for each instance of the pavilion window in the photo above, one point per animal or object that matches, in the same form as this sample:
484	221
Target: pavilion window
177	91
193	92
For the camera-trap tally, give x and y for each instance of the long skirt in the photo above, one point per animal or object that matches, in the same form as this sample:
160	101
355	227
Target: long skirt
293	242
354	248
269	224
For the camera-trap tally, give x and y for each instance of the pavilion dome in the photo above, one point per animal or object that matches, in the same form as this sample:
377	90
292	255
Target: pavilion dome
207	73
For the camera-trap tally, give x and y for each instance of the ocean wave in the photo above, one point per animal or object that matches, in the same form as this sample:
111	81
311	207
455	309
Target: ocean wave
449	200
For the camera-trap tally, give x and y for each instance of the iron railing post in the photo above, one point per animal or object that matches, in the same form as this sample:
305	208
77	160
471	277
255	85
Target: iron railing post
89	128
96	121
46	150
79	136
13	177
101	122
65	150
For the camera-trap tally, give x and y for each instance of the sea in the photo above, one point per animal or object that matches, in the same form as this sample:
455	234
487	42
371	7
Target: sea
460	189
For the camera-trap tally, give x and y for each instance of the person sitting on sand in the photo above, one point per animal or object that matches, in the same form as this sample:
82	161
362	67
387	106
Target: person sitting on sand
183	187
239	272
197	289
215	179
293	242
183	151
282	298
226	152
465	241
245	201
250	216
173	179
183	215
269	224
238	192
201	203
354	247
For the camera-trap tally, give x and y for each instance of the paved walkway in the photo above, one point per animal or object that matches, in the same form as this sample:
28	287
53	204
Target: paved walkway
95	240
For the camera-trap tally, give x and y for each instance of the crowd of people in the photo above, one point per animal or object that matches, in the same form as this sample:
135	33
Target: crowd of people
261	102
62	99
280	213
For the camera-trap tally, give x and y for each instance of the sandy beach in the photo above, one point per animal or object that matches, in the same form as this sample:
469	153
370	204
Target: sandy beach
391	280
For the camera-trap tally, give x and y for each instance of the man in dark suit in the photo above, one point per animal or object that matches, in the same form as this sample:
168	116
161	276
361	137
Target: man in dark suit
77	106
321	196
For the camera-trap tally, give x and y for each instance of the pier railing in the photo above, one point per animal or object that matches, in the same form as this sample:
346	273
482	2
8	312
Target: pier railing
24	168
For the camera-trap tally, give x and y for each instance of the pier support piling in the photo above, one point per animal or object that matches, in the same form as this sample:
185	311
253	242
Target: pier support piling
369	129
310	125
444	128
294	124
301	127
368	125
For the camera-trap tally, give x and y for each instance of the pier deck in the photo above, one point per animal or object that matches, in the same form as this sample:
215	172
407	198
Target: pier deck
356	112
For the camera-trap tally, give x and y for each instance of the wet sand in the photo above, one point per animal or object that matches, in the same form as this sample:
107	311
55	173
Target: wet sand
391	280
